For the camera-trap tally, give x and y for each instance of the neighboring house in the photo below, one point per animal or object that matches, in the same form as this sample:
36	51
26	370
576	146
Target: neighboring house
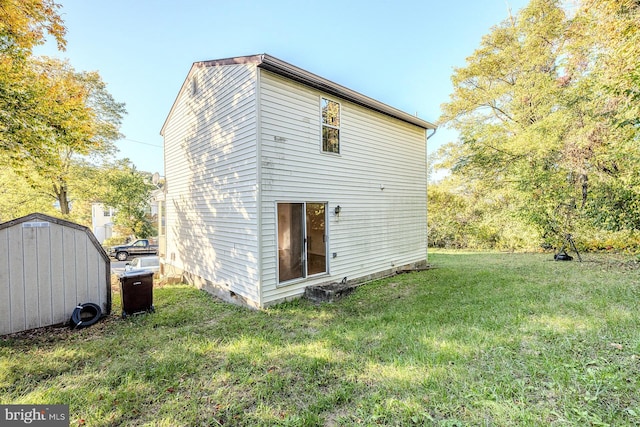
102	221
157	198
278	179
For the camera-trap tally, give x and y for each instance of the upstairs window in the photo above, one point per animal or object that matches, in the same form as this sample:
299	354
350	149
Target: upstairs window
330	126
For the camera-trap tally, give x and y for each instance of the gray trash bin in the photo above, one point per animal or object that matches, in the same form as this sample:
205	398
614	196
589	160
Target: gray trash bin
136	290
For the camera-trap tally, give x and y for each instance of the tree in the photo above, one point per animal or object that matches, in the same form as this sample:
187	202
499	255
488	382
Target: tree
78	118
546	115
129	192
18	198
55	122
23	25
473	213
605	45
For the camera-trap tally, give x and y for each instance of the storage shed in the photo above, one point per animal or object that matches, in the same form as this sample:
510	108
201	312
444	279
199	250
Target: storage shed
278	179
47	267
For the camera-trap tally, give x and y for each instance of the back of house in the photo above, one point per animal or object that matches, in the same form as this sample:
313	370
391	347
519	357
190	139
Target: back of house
278	179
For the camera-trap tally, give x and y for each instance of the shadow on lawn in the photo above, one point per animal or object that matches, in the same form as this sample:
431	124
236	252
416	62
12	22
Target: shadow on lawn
499	341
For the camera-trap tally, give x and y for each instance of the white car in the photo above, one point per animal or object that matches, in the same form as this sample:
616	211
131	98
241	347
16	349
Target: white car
148	263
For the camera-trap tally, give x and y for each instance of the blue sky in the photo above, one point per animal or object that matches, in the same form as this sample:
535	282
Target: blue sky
399	52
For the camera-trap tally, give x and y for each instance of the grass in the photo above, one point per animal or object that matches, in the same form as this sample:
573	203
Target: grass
481	340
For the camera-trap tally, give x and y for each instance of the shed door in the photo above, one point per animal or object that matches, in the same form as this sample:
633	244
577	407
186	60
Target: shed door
302	242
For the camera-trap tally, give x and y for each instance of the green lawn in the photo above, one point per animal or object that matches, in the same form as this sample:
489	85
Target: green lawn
480	340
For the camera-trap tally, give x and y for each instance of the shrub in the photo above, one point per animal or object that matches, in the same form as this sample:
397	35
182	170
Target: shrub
115	241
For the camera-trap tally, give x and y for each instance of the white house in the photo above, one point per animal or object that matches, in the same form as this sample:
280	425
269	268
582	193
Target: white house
278	179
102	221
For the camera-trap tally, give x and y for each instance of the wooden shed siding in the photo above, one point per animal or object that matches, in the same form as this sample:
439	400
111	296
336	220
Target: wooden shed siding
58	280
5	263
45	292
377	229
46	271
210	168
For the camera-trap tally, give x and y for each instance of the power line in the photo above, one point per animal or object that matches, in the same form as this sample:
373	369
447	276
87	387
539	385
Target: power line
140	142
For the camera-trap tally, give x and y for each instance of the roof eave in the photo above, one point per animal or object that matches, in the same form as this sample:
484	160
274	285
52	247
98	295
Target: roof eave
284	69
306	78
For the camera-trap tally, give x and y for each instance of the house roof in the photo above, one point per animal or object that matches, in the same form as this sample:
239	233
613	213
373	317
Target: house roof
284	69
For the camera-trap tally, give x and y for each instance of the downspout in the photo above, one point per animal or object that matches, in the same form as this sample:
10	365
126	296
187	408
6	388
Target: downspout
427	186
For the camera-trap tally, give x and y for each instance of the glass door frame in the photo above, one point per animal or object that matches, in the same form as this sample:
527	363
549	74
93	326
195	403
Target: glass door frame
305	241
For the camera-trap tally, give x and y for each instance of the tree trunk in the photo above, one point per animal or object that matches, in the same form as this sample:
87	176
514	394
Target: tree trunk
63	198
585	186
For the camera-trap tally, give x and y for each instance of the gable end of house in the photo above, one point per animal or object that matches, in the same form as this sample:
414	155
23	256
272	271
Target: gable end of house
297	74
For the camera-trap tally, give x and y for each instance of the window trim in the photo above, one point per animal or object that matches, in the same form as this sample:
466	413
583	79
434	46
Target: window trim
323	125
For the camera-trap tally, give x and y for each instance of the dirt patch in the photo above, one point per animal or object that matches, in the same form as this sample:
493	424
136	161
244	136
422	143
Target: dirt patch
616	263
55	333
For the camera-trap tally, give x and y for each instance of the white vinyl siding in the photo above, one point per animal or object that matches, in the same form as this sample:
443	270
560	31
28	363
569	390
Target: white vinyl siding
243	138
211	179
378	229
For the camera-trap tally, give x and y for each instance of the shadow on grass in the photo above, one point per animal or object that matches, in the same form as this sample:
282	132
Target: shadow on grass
482	339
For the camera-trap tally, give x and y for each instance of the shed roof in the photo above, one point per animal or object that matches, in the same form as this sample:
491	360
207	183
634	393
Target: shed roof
35	217
284	69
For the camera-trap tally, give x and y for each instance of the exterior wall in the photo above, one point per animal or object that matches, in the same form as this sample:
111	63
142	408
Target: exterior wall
211	180
102	221
378	179
47	267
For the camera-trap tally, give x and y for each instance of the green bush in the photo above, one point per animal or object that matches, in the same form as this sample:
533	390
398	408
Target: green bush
114	241
457	221
627	241
464	216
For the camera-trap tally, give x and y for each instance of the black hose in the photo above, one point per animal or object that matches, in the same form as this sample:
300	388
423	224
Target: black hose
85	315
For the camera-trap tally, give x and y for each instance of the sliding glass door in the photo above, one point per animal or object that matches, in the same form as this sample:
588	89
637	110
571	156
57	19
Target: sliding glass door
302	241
290	241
